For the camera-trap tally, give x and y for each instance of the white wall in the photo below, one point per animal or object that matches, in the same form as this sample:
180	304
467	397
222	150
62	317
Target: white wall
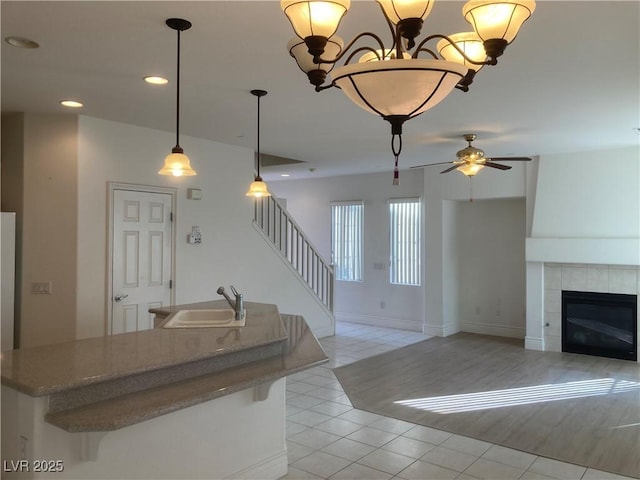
491	266
470	247
450	236
63	166
373	301
40	181
588	195
587	208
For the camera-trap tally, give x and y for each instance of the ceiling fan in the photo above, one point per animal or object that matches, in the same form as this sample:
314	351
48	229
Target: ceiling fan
471	160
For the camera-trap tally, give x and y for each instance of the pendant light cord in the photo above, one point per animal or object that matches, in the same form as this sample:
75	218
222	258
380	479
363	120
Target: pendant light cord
258	93
258	139
178	95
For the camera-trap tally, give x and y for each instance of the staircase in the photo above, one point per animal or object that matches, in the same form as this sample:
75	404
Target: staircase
288	239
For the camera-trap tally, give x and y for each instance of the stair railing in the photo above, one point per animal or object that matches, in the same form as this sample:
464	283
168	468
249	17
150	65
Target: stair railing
288	238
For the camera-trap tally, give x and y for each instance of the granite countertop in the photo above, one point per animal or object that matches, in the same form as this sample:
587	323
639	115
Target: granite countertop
299	352
111	382
50	369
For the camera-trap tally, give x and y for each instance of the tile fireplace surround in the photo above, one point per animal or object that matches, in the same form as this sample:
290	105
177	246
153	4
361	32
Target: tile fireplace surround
582	278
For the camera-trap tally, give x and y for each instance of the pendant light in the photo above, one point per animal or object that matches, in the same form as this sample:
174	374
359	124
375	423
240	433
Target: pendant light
177	163
258	188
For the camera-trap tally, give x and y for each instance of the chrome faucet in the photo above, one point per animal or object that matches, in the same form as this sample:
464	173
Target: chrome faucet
237	305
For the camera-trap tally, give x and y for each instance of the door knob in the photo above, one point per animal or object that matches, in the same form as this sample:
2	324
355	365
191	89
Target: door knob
119	298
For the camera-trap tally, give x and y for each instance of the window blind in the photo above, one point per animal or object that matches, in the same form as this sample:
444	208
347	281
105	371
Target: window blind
404	241
346	240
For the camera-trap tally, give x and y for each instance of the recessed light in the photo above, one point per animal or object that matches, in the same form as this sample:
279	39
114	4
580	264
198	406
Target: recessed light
71	103
285	175
21	42
156	80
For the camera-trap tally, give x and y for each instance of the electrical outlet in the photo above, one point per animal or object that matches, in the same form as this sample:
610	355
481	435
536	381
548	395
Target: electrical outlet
41	288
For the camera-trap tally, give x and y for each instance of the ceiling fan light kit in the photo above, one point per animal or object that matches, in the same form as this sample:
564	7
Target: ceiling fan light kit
391	81
471	160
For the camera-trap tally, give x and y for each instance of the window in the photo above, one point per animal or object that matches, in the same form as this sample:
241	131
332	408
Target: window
404	241
346	240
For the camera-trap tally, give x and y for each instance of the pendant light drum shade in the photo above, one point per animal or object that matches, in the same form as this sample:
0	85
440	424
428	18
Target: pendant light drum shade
405	87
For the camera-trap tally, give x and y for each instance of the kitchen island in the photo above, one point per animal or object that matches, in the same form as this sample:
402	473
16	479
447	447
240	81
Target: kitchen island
162	403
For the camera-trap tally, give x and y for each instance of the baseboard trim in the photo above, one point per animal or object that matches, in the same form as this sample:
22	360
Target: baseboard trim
495	330
322	332
440	331
534	343
270	468
377	321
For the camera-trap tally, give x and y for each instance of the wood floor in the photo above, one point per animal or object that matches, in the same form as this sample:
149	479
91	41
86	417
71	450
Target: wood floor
590	417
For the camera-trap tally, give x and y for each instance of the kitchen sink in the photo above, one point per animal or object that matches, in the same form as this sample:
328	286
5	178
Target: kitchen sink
224	317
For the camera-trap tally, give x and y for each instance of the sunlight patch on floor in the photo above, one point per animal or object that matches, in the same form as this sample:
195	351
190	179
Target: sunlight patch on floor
469	402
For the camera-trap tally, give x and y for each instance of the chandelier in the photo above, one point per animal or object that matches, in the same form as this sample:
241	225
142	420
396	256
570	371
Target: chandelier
408	76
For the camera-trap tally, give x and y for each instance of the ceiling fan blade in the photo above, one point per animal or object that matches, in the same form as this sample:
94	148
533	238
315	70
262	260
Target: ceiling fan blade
497	165
430	164
450	168
510	159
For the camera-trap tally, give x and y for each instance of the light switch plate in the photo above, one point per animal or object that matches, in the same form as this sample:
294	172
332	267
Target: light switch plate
41	288
194	194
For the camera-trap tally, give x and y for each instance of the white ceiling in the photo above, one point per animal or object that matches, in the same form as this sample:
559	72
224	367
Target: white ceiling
570	82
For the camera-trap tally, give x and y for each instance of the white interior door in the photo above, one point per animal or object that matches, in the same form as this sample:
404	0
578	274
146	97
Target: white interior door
141	261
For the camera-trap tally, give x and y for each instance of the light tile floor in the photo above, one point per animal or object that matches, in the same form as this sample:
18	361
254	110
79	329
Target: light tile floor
329	439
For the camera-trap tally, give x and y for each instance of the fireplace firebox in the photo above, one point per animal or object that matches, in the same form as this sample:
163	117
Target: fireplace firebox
601	324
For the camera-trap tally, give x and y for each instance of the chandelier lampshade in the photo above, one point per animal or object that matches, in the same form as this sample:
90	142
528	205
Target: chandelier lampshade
315	18
470	44
398	87
497	22
380	55
407	16
398	10
316	72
